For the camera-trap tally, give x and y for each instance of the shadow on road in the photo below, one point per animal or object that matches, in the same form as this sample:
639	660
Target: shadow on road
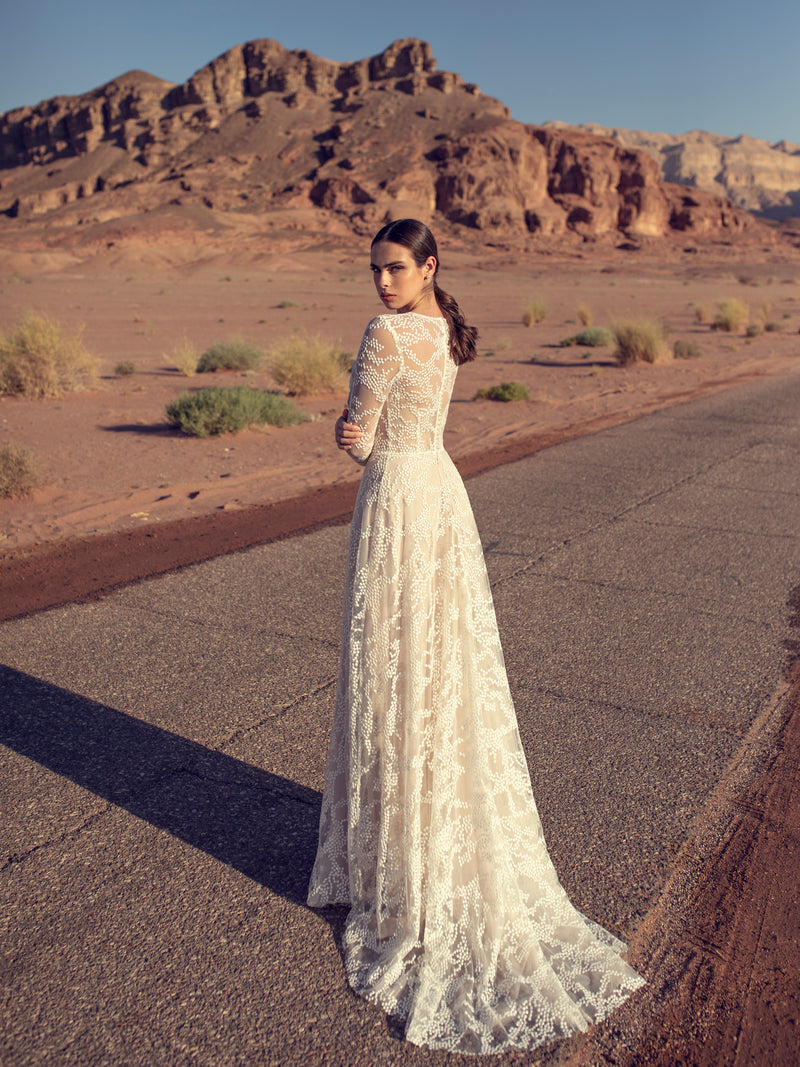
256	822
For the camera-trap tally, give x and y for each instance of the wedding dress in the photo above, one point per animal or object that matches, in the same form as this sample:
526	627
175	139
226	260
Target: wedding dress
429	831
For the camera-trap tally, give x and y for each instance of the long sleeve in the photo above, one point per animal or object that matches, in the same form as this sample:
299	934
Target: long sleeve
375	369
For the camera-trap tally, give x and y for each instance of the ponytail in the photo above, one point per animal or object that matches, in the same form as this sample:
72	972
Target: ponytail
462	337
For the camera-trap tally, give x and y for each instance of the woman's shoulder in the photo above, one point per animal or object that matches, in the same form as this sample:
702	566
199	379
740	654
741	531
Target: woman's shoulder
407	322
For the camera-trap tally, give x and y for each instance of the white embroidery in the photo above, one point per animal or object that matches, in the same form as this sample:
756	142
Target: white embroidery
429	830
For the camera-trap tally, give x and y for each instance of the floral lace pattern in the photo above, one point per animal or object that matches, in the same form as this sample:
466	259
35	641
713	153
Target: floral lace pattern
429	830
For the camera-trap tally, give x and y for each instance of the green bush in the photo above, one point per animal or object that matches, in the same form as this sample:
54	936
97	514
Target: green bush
594	337
685	350
732	315
229	410
304	365
639	342
534	313
17	471
125	369
235	354
506	392
36	359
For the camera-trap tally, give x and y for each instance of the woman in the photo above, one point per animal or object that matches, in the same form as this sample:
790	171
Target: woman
429	831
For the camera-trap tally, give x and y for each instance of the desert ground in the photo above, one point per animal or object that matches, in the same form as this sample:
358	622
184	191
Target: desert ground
108	460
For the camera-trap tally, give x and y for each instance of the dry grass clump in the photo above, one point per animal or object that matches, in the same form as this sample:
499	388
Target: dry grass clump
229	410
184	357
702	313
235	354
17	471
303	365
753	330
505	392
640	342
535	312
125	369
584	313
37	359
732	315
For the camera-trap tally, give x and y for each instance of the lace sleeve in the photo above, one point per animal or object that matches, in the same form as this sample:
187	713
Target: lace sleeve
376	367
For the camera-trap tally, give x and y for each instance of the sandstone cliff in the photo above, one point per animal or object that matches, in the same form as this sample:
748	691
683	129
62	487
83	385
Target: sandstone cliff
263	130
760	177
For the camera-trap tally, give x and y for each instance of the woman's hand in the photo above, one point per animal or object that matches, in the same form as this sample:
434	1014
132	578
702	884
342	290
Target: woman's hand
347	433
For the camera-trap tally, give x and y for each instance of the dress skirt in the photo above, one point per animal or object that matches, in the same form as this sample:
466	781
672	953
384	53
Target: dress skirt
458	924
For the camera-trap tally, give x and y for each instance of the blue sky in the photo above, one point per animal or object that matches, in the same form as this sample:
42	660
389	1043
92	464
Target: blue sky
662	65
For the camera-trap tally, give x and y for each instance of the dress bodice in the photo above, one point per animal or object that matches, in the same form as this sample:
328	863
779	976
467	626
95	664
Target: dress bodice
401	385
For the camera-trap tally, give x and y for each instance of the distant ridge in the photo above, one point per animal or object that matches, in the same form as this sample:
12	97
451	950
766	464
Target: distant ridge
761	177
270	134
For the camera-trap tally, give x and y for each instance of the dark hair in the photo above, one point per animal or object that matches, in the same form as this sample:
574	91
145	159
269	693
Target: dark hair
420	242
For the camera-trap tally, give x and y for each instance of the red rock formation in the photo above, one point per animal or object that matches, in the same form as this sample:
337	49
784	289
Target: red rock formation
262	129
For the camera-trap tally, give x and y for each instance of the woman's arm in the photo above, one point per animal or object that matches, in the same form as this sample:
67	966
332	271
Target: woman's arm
375	369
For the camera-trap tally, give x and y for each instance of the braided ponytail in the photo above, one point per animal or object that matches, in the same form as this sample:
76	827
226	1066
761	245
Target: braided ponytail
420	242
462	337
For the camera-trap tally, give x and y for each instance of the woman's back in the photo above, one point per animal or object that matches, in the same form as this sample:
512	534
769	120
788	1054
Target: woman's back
403	385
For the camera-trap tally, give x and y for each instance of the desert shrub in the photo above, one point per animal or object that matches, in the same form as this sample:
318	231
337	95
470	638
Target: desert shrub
288	304
753	330
184	356
764	311
235	354
639	342
702	313
38	359
732	315
685	350
17	471
505	391
303	365
595	337
773	327
229	410
125	369
584	313
535	311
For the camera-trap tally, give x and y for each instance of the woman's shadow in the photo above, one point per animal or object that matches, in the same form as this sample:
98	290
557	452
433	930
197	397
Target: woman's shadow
258	823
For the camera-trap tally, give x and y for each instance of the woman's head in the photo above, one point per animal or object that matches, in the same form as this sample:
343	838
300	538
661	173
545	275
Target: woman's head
402	271
405	262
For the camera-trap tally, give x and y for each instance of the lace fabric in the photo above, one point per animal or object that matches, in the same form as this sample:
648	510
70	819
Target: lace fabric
429	831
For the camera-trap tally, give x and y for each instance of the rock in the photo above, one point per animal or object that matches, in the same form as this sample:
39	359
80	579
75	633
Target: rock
750	173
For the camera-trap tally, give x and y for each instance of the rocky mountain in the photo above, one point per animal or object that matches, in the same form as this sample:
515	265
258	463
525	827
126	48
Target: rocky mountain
262	131
760	177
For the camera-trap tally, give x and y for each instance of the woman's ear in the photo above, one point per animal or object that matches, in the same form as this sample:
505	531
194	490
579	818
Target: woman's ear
430	266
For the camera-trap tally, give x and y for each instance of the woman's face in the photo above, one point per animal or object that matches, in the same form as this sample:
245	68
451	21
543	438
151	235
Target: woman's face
400	283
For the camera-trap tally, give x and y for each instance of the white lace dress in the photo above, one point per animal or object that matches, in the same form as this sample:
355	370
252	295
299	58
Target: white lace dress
458	923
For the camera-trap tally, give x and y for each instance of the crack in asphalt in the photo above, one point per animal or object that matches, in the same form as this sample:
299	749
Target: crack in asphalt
619	516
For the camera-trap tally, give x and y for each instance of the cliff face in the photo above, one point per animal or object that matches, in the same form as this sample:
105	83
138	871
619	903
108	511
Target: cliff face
753	174
261	129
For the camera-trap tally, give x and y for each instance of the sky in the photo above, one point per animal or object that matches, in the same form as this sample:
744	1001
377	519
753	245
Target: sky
726	66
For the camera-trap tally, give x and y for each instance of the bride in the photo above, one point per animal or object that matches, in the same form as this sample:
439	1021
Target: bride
429	831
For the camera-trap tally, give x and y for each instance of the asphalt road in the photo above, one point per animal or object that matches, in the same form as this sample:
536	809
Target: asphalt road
166	744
